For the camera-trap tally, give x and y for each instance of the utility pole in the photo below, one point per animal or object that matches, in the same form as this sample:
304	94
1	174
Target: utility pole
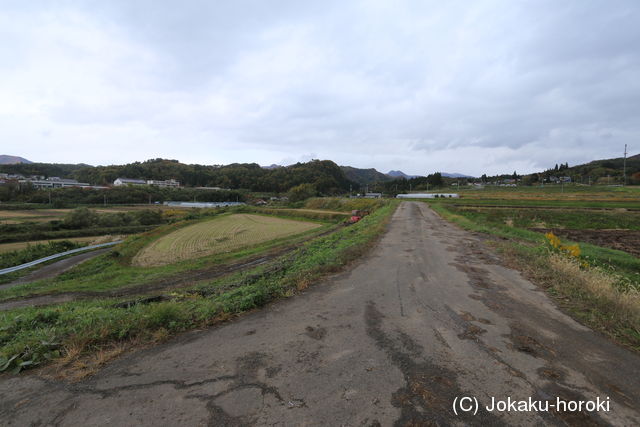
624	166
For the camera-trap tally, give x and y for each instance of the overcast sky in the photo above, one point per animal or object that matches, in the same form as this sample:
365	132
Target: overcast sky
471	86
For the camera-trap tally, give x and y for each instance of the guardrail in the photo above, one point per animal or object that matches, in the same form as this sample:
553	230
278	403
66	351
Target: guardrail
59	255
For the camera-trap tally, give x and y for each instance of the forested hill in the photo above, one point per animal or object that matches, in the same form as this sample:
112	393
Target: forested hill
60	170
606	171
5	159
364	176
325	175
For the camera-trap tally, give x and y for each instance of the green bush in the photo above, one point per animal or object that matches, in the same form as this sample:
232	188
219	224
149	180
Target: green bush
344	204
34	252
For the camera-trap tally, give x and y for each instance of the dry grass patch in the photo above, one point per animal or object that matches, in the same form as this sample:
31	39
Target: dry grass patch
591	294
602	287
219	235
77	365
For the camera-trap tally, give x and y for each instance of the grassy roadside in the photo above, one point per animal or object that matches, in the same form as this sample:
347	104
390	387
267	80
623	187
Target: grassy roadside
547	203
601	287
33	336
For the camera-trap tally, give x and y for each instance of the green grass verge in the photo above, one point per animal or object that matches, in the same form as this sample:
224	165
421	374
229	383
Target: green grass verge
31	336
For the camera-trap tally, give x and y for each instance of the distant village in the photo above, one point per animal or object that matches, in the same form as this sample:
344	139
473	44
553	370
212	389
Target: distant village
42	182
512	182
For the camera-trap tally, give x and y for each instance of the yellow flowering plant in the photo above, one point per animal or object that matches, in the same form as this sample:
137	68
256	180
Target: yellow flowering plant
557	246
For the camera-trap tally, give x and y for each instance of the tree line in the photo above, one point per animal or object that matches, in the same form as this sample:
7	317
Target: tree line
324	175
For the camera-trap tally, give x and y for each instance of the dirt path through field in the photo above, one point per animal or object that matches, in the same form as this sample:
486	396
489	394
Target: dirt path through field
428	317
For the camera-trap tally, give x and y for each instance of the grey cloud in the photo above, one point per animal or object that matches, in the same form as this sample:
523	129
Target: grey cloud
488	86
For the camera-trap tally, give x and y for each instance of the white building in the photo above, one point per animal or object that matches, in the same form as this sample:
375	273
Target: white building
129	181
167	183
427	195
158	183
53	182
372	195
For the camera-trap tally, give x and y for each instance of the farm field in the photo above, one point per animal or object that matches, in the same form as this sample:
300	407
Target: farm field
552	192
321	211
220	235
605	221
44	215
108	300
550	196
8	247
614	228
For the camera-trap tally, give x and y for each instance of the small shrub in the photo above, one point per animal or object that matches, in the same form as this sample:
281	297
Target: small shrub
556	245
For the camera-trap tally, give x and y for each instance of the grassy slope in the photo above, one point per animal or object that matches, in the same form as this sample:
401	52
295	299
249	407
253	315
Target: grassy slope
35	335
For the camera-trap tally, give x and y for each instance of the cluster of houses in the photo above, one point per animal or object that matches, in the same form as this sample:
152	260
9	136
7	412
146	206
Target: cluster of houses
42	182
158	183
558	179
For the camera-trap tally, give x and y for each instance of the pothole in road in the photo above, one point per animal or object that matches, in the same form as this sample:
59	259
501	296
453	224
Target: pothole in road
316	333
241	402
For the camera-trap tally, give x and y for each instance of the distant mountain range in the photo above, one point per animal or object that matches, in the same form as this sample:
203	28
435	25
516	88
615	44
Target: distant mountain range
364	176
12	160
371	176
604	171
400	174
455	175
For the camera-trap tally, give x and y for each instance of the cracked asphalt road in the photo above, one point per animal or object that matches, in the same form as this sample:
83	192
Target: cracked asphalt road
428	316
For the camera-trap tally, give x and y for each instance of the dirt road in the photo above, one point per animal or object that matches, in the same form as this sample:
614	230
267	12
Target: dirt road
427	317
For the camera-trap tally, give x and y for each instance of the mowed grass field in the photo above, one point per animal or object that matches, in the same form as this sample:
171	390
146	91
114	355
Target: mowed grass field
223	234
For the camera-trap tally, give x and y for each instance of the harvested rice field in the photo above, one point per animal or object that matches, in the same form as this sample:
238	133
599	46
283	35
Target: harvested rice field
220	235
